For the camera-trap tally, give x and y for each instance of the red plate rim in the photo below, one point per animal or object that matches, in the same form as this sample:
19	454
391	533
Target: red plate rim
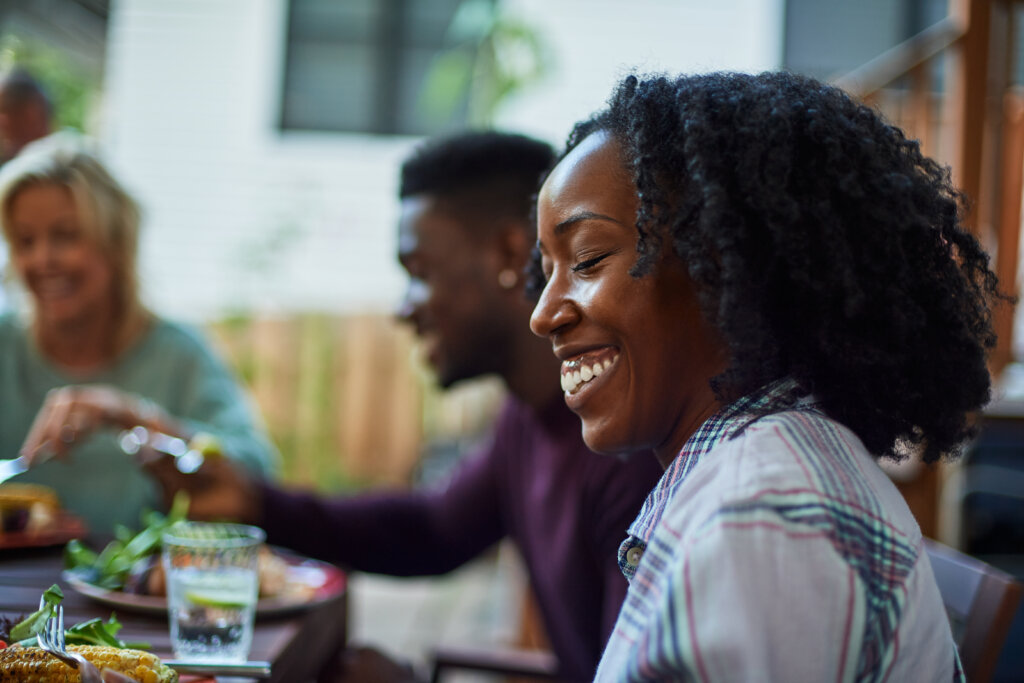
333	585
66	528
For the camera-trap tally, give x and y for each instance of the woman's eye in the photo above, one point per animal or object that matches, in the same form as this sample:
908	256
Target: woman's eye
66	236
589	263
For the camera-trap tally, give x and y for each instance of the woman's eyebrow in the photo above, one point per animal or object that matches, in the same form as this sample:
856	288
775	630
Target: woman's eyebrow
561	227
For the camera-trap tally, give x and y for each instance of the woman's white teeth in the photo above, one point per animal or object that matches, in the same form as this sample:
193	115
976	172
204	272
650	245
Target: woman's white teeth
571	381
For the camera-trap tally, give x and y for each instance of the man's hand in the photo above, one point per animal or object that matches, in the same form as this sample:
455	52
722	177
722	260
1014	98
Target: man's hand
219	490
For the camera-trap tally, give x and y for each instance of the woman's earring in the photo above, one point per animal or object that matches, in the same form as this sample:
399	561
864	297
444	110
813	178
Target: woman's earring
508	278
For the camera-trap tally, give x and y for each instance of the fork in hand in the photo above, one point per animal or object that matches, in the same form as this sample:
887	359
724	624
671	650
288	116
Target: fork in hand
52	640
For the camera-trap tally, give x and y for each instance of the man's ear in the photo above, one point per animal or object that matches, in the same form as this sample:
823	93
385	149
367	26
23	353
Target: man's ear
514	243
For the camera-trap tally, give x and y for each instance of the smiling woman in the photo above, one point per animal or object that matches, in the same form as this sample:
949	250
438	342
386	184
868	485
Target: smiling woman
770	287
69	277
92	359
656	355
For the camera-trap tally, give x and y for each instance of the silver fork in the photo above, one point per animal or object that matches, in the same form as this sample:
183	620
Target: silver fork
15	466
52	640
186	460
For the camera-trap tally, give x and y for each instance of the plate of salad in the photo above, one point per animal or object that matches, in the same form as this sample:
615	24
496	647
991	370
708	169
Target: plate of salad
128	574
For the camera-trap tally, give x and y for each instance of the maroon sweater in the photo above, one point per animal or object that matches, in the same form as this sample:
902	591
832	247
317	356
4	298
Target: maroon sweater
535	482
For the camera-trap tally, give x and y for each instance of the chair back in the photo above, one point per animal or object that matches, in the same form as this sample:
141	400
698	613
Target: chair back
981	602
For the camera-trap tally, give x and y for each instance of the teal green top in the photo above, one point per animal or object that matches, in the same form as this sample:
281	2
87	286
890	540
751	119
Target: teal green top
170	365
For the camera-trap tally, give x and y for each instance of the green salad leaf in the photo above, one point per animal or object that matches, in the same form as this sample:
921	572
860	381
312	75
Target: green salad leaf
91	632
35	623
99	632
110	566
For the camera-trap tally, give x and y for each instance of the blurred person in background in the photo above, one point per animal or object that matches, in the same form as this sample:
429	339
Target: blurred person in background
91	359
465	236
26	114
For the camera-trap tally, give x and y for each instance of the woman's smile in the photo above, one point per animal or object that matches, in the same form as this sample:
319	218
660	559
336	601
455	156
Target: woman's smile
583	369
66	272
636	356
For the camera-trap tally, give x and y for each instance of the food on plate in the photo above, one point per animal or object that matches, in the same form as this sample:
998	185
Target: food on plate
33	665
94	639
111	567
23	631
147	575
31	508
273	573
131	562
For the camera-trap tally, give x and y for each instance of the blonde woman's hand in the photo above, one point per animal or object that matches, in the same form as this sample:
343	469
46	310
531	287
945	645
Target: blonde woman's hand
70	414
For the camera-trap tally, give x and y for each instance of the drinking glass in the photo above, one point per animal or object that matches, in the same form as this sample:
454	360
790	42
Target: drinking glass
212	588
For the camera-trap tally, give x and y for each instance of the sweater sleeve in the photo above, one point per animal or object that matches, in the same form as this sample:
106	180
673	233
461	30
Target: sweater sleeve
402	533
212	400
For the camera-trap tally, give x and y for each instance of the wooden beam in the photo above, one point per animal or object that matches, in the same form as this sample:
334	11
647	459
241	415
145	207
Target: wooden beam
1010	196
971	87
897	61
921	107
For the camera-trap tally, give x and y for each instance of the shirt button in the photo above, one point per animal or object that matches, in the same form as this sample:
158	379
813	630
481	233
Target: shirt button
634	554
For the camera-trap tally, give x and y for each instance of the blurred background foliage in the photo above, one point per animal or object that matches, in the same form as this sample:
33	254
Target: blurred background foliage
489	56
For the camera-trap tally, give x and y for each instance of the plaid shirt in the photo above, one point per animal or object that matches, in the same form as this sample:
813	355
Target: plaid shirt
775	549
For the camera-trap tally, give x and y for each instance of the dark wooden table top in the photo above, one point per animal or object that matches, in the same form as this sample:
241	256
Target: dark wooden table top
300	646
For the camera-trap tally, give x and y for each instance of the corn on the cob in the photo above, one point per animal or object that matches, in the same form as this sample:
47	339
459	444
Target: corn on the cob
33	665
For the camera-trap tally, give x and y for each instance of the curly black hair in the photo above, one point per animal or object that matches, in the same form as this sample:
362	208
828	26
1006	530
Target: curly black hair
825	246
488	174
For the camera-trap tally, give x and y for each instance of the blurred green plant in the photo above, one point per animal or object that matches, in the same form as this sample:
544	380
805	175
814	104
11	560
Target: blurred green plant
490	55
72	90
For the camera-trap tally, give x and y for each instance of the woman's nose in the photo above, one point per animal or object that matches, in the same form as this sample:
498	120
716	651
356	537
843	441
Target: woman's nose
553	311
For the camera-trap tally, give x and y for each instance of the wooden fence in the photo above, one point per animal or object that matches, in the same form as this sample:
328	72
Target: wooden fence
345	398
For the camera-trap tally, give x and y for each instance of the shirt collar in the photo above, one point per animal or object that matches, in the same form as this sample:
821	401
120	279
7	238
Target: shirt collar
710	434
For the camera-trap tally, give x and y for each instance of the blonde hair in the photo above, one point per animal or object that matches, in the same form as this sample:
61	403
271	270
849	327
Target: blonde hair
108	216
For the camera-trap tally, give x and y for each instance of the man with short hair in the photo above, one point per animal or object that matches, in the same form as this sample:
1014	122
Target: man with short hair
26	114
465	236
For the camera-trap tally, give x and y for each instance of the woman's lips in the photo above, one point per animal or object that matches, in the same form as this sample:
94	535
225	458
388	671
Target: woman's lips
581	369
51	287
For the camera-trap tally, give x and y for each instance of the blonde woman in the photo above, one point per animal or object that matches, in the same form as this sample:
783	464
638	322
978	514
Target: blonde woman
89	358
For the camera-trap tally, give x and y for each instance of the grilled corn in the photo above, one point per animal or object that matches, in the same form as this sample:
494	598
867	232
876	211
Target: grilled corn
33	665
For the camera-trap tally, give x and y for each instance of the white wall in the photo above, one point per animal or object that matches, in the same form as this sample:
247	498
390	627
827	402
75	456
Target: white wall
240	216
597	42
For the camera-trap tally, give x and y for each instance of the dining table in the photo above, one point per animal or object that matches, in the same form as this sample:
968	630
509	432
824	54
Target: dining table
300	645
